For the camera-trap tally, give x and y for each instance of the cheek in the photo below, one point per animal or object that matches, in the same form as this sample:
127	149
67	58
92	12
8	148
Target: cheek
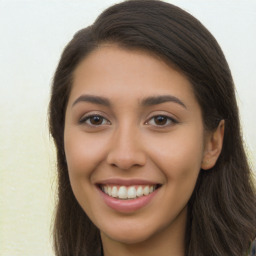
83	153
179	160
178	154
179	157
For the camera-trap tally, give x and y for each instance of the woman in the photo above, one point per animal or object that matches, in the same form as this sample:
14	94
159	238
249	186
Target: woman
149	151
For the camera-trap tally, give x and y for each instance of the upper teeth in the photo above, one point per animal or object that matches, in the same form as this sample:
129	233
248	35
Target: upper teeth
123	192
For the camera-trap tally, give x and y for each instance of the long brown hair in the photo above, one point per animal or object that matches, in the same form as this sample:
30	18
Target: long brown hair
222	210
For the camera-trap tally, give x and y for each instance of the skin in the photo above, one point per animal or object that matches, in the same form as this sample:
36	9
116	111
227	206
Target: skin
129	143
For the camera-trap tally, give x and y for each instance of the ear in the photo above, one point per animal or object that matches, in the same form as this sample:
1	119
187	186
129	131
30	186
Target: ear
213	146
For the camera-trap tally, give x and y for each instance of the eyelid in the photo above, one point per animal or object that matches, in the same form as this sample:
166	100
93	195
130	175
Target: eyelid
86	116
170	118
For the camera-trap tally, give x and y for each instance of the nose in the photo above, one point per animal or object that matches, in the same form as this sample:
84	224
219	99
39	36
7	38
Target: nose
126	150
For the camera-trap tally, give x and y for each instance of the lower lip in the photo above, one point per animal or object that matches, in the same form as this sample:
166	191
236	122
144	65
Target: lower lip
129	205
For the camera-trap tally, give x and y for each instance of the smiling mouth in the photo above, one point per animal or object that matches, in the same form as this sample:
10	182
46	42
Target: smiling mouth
128	192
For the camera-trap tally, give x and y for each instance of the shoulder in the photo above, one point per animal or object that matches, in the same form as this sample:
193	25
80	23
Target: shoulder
252	251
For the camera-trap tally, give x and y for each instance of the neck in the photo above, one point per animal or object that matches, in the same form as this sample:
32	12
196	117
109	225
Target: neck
167	241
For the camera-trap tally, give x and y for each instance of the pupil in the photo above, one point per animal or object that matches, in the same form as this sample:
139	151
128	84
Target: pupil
160	120
96	120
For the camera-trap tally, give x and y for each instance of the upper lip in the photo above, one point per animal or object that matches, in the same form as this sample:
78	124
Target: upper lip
126	182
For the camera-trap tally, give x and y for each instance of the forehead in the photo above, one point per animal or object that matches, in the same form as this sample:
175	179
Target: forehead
119	74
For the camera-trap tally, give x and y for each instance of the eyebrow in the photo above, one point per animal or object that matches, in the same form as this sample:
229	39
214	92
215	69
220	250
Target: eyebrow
149	101
92	99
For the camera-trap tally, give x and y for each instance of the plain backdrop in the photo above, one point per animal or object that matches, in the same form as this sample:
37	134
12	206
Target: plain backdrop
32	37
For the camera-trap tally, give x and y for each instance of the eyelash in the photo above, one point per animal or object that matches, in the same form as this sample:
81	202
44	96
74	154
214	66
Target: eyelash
170	121
84	120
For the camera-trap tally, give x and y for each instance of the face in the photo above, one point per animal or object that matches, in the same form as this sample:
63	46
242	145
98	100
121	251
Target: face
134	144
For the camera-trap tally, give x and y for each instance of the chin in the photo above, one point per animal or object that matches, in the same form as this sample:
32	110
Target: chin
129	236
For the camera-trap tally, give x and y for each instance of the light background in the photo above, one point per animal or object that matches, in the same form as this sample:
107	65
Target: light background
32	37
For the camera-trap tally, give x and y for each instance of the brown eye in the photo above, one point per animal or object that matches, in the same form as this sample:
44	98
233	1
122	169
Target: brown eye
94	120
161	121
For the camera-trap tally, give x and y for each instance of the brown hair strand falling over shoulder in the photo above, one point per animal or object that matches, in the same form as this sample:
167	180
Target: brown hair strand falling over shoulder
222	209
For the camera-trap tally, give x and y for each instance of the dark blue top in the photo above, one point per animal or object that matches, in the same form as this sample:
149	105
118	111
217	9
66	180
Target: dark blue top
252	251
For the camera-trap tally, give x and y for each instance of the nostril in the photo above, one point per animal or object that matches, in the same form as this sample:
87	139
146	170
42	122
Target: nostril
125	160
125	163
